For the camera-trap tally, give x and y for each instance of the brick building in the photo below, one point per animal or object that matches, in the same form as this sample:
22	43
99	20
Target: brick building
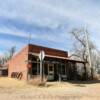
56	64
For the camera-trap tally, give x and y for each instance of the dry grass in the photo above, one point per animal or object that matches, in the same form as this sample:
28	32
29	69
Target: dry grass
12	89
36	82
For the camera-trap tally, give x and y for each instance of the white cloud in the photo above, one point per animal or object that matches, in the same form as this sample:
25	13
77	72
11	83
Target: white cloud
43	36
44	13
50	13
12	31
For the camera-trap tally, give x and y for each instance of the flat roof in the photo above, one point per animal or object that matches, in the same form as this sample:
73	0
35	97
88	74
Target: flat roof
48	51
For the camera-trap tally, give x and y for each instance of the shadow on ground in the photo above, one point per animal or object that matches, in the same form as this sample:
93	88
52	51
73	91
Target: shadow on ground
85	82
75	83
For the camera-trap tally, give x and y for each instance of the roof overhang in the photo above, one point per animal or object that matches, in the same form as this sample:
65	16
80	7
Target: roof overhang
57	57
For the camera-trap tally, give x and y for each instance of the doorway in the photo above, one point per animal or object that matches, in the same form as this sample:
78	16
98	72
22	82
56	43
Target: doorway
50	76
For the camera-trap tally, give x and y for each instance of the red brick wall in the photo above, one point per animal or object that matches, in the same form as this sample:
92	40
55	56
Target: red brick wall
18	64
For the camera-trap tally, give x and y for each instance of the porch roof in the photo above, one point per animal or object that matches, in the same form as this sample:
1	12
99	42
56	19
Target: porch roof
58	57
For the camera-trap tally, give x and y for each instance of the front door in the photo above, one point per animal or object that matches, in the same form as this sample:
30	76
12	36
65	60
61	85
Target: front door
50	72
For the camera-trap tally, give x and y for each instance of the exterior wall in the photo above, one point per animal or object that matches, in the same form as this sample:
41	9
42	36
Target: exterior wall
48	51
18	64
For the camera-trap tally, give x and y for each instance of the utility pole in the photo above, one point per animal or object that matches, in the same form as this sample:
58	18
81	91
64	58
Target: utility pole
29	38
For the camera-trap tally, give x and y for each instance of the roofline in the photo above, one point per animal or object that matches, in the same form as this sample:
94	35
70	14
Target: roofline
48	47
27	46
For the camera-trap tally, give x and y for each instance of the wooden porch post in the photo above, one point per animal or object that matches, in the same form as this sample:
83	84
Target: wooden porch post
37	66
75	71
60	72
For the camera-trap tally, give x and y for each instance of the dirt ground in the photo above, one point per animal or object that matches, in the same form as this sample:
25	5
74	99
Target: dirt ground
13	89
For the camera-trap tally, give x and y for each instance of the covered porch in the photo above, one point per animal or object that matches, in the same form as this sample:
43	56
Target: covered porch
54	68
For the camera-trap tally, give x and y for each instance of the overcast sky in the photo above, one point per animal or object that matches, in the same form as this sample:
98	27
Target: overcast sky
49	22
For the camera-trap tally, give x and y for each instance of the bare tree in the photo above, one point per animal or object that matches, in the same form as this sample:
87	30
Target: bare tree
80	45
8	55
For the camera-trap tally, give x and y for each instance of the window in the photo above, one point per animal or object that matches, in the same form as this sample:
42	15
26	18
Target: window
50	68
34	69
63	69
